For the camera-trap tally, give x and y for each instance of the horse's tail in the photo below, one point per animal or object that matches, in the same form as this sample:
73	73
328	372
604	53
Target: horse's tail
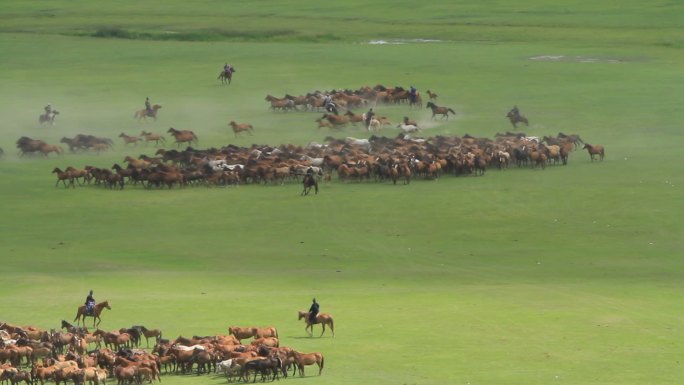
322	364
332	325
452	111
315	186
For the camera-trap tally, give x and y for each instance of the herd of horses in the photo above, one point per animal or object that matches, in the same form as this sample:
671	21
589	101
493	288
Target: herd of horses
73	353
346	99
379	159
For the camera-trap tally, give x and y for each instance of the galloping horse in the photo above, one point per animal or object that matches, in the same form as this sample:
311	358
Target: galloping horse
595	150
226	76
308	182
321	318
144	113
516	118
241	127
97	310
444	111
183	136
48	117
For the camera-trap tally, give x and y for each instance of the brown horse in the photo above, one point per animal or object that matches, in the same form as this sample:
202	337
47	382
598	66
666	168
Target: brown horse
97	310
64	176
305	359
309	182
432	95
241	127
130	139
45	149
150	137
595	150
338	121
183	136
144	113
516	118
436	110
282	104
321	318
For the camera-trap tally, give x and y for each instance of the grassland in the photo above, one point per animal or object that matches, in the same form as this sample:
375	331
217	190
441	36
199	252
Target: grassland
570	275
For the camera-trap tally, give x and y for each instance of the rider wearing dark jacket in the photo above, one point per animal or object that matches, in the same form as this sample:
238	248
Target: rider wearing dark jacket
89	302
313	311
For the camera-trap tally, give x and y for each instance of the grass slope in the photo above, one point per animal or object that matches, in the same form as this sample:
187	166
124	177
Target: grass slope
568	275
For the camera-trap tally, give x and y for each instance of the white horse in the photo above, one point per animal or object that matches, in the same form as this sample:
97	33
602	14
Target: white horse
365	143
318	162
408	128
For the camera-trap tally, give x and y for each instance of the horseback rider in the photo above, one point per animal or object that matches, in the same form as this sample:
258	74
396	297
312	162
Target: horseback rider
329	105
313	310
369	117
90	303
309	174
412	94
515	111
48	109
227	68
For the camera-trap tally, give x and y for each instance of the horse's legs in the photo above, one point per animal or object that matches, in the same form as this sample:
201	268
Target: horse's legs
322	331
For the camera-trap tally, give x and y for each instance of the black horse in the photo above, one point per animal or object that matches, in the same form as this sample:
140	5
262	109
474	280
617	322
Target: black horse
308	182
515	117
226	76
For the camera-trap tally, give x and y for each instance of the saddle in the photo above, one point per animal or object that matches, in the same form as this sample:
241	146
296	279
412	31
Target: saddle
89	308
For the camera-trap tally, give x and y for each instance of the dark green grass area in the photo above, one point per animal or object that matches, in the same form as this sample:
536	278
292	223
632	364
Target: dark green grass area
569	275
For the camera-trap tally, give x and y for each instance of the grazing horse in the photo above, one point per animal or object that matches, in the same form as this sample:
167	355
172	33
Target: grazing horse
436	110
97	310
595	150
516	118
241	127
183	136
308	182
48	118
226	76
144	113
305	359
321	318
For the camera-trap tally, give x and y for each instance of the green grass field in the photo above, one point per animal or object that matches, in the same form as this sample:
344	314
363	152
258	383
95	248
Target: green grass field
571	275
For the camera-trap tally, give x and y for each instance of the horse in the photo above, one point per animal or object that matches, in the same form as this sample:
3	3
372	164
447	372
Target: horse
304	359
337	121
321	318
226	76
283	104
595	150
432	95
444	111
416	101
97	310
308	182
183	136
130	139
144	113
156	333
48	118
241	127
149	137
45	149
516	118
63	176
